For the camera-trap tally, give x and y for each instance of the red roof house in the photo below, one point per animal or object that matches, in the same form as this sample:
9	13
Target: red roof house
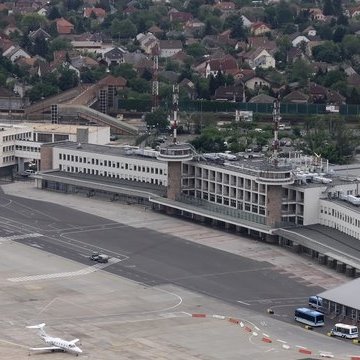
64	27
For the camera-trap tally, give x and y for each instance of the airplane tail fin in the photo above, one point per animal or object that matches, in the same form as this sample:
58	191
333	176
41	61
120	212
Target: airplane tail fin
40	329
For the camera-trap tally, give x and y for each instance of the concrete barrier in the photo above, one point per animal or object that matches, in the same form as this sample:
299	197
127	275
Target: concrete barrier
305	351
198	315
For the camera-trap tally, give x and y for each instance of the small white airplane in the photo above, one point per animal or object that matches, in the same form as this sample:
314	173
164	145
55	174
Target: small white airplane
56	344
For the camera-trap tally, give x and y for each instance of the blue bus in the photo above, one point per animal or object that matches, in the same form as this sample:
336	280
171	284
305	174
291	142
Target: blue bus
309	317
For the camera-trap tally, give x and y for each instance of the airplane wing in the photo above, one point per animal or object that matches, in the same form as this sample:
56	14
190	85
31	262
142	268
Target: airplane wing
74	341
46	348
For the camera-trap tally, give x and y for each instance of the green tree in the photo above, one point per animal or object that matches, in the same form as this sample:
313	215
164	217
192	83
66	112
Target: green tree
123	29
196	50
328	8
124	70
53	13
59	44
41	47
339	34
328	52
67	79
31	22
211	140
157	119
140	85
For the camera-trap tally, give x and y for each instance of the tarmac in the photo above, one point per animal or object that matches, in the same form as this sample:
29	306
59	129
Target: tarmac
116	318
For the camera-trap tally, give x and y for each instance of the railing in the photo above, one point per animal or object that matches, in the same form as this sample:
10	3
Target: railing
222	210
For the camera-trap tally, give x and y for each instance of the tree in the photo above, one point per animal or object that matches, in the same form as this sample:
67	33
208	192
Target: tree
328	8
123	29
67	79
157	119
339	33
147	74
31	22
124	70
328	52
354	97
196	50
211	140
53	13
41	47
60	44
140	85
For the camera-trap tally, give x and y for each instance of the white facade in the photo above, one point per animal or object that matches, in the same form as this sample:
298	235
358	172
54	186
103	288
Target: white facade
9	136
299	39
164	53
263	60
113	164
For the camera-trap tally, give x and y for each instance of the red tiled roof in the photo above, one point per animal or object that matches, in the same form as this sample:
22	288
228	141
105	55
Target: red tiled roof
99	12
112	80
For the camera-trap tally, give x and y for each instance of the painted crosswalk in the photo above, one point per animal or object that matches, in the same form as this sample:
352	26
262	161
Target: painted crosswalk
85	271
19	237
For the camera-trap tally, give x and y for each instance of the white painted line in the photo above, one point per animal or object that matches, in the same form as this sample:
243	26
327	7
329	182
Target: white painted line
241	324
285	346
186	313
326	355
266	335
256	328
281	341
85	271
300	347
222	317
244	303
255	333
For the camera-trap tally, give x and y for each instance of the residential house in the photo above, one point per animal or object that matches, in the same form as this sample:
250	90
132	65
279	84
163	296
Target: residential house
188	87
99	13
180	17
317	93
15	52
246	22
296	97
310	31
260	58
43	11
353	80
79	62
194	25
39	34
316	14
226	7
297	39
155	30
87	46
334	98
255	82
262	99
354	12
147	42
229	93
294	54
169	48
310	45
130	10
226	64
64	27
259	28
11	29
114	56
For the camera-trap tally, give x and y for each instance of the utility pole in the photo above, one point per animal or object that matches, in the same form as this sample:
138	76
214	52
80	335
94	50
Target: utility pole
175	109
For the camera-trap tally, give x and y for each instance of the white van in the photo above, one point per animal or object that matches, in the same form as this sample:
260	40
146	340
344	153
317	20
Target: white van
345	331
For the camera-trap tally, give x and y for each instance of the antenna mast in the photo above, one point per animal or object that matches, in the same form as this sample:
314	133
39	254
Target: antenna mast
175	110
276	120
155	83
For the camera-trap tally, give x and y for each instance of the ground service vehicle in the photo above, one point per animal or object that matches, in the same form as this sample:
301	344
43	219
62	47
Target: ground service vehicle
309	317
345	331
100	258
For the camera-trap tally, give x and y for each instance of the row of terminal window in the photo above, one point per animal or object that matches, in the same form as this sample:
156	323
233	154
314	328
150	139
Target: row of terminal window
110	174
27	148
7	159
339	215
22	136
113	164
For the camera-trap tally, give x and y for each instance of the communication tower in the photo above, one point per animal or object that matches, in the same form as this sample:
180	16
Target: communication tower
155	83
